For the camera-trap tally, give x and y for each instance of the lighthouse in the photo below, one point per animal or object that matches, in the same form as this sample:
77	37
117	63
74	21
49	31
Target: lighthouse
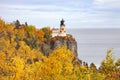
61	31
62	28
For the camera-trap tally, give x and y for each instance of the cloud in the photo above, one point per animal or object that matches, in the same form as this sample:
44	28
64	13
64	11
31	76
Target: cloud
77	14
42	8
107	4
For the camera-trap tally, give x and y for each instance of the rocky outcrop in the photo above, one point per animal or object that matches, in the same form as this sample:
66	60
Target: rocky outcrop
58	41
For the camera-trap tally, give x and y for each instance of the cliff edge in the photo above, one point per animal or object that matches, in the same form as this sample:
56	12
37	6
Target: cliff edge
60	41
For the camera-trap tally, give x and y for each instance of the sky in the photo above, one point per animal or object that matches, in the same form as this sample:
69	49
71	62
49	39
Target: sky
76	13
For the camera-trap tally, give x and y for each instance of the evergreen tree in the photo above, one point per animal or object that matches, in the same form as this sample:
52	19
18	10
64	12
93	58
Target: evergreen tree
93	67
17	24
108	65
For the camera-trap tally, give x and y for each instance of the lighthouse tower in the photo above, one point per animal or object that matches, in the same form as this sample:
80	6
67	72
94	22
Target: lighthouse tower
62	28
61	31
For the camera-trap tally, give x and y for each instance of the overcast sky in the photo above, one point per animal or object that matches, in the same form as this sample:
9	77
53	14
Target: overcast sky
76	13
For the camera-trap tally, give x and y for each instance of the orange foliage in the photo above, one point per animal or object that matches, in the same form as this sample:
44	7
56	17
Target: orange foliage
21	59
40	34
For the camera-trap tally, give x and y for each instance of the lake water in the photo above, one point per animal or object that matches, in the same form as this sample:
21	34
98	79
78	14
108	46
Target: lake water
93	43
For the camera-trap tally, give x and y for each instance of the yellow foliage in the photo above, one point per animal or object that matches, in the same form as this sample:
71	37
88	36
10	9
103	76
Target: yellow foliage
2	25
40	35
21	59
24	50
2	56
9	28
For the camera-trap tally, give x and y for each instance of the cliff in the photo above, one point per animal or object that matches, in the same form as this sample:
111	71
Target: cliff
59	41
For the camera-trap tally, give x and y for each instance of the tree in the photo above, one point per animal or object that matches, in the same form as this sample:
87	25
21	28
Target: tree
31	30
2	24
40	35
107	65
17	66
24	50
30	40
17	24
47	32
95	74
116	73
58	65
26	24
117	64
93	67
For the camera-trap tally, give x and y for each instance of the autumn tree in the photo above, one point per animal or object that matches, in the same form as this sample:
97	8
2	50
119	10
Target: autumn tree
31	30
17	67
2	25
21	59
93	67
17	24
24	50
30	40
58	65
47	32
116	73
107	65
117	63
40	35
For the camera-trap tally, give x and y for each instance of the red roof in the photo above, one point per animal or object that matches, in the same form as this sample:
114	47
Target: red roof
54	29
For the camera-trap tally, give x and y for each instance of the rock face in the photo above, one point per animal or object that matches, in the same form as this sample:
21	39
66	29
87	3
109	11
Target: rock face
58	41
70	44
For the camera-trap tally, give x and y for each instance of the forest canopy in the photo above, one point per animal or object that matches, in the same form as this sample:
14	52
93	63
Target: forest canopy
22	59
